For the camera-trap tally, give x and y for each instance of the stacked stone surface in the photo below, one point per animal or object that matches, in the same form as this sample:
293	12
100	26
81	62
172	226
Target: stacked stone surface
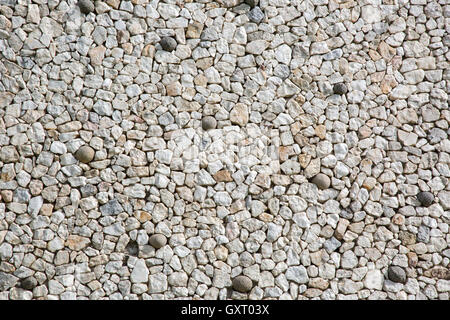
224	149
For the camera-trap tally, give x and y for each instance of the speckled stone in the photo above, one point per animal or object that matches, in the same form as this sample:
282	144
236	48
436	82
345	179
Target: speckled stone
85	154
168	44
86	6
157	241
425	198
322	181
340	88
397	274
242	284
209	122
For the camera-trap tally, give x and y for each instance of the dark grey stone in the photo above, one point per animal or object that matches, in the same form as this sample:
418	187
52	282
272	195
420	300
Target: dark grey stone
112	207
340	88
242	284
168	44
86	6
132	248
256	15
425	198
29	283
252	3
396	274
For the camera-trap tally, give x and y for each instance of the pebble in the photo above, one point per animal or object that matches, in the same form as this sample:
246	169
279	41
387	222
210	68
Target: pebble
340	88
168	44
209	122
397	274
242	284
86	6
322	181
425	198
157	241
85	154
163	149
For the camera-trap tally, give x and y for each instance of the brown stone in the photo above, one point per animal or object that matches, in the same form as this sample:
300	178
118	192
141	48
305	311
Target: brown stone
97	55
77	243
318	283
223	176
386	51
398	219
304	160
262	180
412	259
321	131
143	216
194	30
239	114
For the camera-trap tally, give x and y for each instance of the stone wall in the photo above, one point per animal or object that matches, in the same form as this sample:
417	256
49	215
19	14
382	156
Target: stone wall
271	149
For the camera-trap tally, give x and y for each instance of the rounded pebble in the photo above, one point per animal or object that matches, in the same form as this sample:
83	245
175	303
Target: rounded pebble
168	44
86	6
85	154
242	284
322	181
209	122
425	198
29	283
157	241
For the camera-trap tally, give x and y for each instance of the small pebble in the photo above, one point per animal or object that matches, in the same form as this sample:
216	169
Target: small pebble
425	198
209	122
157	241
168	44
85	154
242	284
322	181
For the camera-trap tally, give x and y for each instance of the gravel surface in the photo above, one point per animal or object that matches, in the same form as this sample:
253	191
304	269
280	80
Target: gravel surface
229	149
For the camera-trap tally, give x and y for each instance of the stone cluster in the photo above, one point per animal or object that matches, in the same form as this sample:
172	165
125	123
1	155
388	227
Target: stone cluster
224	149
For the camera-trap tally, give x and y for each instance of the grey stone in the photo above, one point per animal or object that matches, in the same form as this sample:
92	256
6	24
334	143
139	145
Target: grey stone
209	122
29	283
256	15
423	234
86	6
85	154
425	198
242	284
168	44
340	88
397	274
7	281
157	241
322	181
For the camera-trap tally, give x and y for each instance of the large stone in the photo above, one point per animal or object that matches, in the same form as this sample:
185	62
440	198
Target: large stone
140	272
374	280
85	154
242	284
